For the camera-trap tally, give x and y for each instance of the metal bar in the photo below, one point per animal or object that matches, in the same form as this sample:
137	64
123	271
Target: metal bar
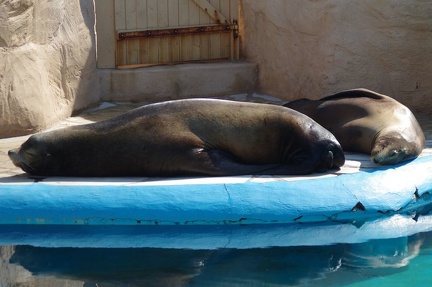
173	32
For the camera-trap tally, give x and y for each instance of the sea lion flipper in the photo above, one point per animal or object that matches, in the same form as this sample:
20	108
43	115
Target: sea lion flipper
224	163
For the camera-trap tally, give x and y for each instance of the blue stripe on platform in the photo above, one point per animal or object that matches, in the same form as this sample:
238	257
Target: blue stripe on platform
394	190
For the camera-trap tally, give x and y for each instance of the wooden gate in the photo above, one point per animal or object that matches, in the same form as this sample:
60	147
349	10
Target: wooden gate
135	33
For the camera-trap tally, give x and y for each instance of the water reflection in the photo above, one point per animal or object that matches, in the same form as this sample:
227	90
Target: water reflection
332	265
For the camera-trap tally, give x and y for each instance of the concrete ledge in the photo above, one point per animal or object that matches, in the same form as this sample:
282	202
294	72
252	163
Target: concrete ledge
239	200
177	81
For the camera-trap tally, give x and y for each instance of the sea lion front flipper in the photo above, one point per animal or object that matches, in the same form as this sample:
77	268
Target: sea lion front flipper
225	163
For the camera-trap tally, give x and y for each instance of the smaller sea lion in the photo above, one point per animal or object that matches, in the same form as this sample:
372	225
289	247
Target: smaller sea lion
367	122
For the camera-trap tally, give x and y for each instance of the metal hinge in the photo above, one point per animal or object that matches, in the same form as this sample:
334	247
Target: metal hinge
235	29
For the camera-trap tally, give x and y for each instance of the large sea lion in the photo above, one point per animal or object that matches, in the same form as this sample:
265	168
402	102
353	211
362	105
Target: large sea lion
185	137
367	122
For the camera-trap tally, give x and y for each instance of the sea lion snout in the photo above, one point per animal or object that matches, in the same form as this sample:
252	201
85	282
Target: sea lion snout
326	162
14	156
331	158
335	155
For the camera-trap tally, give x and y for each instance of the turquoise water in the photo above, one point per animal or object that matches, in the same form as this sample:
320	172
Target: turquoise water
401	261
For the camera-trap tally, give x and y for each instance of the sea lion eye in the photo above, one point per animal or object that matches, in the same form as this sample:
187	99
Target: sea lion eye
30	153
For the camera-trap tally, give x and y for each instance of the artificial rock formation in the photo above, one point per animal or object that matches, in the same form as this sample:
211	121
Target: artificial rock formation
315	48
47	62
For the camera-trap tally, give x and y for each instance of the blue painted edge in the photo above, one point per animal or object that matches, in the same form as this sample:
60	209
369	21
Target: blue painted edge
358	197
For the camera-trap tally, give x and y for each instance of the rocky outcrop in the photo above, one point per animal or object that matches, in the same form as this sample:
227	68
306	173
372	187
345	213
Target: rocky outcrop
314	48
47	62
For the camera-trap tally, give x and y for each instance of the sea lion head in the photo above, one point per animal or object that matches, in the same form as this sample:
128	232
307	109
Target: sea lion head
390	149
33	156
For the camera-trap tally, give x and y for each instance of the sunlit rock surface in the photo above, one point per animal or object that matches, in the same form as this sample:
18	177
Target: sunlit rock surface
47	59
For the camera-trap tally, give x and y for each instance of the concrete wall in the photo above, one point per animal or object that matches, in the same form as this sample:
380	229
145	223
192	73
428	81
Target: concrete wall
308	48
47	62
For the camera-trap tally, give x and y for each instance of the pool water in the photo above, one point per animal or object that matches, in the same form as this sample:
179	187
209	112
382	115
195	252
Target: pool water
401	261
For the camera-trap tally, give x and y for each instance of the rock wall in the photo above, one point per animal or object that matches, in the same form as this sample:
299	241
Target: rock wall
47	62
308	48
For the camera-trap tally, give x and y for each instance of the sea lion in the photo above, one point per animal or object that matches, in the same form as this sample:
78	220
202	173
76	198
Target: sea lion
185	137
367	122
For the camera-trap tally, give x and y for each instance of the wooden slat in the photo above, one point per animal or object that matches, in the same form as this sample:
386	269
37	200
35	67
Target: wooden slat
204	39
121	57
120	23
162	14
144	50
173	21
173	13
106	34
204	46
194	14
215	44
120	14
163	22
152	13
175	43
164	50
212	10
234	10
142	23
132	54
141	17
225	45
225	9
153	51
194	19
131	15
183	13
